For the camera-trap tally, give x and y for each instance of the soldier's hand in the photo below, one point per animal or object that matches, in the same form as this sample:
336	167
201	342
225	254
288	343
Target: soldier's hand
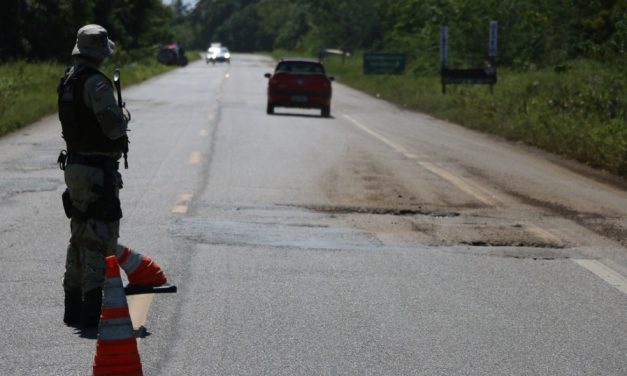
126	113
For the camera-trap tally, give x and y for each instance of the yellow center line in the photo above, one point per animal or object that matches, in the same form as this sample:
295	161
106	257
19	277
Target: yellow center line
185	197
195	157
180	209
182	203
451	178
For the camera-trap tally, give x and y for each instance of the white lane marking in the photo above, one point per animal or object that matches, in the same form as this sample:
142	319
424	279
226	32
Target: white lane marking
374	134
195	157
182	203
204	132
606	273
211	116
456	181
545	235
228	75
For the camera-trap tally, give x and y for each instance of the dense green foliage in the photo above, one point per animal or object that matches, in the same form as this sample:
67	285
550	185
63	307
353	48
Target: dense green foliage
532	33
37	37
46	29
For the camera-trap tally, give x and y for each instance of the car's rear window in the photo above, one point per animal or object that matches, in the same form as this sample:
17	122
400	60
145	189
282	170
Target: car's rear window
300	67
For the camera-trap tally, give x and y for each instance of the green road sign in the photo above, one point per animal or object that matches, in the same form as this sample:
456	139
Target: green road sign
383	63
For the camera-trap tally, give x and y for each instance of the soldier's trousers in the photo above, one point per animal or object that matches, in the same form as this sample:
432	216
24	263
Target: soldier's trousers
91	240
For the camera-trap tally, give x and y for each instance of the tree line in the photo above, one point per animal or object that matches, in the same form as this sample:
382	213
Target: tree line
46	29
531	32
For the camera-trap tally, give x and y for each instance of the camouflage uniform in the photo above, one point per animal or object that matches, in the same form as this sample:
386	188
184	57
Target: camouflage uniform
91	174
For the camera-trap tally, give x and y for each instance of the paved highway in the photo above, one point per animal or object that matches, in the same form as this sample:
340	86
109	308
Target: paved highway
376	242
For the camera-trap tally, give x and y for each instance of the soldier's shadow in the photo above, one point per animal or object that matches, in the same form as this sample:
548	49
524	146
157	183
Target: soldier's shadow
88	333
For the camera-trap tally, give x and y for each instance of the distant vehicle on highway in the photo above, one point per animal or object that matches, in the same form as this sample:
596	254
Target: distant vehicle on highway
215	46
219	54
300	83
172	54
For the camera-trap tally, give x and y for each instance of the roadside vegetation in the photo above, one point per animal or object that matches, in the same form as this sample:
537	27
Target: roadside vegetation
33	58
561	65
28	90
579	111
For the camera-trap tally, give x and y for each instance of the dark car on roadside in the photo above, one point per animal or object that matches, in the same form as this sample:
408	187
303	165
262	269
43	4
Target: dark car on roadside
172	54
299	83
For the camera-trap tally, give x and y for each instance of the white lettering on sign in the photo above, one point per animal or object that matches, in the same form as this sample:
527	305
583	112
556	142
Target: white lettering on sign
443	44
492	43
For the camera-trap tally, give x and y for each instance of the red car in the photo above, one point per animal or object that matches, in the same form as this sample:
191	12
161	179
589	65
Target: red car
300	83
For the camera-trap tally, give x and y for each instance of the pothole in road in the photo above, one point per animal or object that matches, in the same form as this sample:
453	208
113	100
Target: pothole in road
380	211
611	227
531	253
438	227
357	226
525	244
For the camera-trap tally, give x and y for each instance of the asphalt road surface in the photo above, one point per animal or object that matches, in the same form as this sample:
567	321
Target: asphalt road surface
376	242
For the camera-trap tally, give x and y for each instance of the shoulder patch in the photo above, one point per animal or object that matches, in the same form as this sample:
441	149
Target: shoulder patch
101	86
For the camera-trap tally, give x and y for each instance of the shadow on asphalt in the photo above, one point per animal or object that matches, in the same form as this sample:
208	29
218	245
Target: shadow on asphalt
92	333
88	333
290	114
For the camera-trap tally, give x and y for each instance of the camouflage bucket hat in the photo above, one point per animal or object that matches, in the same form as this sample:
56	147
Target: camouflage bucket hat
92	41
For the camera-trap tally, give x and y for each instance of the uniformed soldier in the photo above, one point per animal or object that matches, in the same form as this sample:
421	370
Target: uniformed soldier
94	128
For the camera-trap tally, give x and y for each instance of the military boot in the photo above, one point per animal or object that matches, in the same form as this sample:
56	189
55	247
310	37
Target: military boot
92	305
73	304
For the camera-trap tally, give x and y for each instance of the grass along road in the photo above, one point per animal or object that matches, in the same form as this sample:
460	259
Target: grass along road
28	90
578	111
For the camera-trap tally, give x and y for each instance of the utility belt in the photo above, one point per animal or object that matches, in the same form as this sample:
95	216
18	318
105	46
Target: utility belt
101	162
107	208
97	161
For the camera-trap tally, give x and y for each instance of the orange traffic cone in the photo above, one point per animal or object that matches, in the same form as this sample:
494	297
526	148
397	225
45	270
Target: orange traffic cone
116	348
140	269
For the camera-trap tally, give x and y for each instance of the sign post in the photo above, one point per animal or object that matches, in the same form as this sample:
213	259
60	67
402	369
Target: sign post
443	52
486	75
443	45
492	43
